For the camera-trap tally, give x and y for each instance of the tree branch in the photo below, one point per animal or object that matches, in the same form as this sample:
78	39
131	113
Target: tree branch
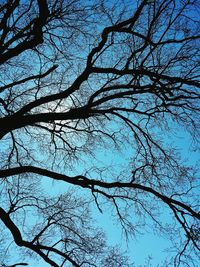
90	183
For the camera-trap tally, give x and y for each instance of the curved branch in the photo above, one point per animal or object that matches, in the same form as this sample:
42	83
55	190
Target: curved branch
4	216
34	36
147	72
90	183
33	77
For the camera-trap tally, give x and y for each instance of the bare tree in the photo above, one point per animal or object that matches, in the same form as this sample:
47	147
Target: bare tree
92	96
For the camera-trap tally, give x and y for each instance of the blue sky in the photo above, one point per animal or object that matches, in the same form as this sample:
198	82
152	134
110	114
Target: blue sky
143	245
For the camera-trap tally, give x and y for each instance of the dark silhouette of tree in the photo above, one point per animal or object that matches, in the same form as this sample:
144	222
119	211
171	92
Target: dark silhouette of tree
84	78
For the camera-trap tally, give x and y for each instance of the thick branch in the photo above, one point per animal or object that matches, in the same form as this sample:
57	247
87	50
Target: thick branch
90	183
150	74
15	121
36	248
35	36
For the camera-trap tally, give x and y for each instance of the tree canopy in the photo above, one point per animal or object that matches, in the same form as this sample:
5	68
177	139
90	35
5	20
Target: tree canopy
94	96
